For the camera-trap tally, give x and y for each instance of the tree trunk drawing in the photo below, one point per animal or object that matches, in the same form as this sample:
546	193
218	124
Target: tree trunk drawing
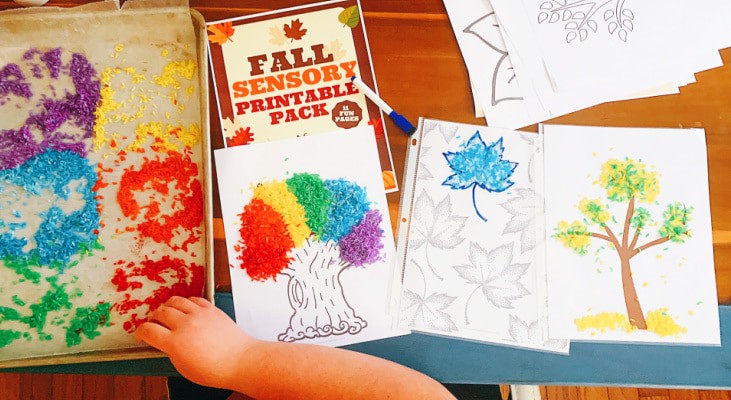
631	300
628	181
626	250
316	294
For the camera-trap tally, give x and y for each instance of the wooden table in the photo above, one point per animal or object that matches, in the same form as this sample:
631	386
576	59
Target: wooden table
420	71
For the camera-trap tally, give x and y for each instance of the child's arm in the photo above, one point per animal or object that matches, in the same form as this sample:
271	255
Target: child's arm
207	347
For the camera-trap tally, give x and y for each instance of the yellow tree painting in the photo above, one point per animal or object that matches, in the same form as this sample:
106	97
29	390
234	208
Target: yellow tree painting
632	235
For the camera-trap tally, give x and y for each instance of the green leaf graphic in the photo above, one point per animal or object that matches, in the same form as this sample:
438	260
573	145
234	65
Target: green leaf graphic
350	16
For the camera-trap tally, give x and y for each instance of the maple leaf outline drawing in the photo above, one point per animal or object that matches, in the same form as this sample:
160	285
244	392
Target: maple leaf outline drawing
533	334
427	313
478	165
424	173
503	74
495	275
276	36
435	226
522	210
448	132
294	30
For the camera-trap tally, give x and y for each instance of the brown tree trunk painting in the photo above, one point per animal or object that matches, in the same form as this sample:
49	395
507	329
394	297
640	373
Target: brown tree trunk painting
626	251
626	181
631	300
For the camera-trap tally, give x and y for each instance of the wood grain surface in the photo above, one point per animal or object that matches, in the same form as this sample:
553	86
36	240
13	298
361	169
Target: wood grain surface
420	72
96	387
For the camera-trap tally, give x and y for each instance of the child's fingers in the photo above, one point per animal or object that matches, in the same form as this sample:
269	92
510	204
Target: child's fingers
167	316
200	301
182	304
153	334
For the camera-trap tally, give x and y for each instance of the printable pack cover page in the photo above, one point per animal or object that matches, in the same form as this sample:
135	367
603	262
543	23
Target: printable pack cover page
286	73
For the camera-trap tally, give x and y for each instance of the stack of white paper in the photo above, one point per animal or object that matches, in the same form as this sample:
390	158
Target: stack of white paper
532	60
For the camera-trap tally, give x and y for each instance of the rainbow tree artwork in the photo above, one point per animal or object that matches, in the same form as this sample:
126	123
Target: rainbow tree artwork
627	181
316	230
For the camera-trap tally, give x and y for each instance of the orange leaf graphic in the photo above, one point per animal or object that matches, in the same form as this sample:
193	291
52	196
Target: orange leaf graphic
242	137
221	33
377	124
294	31
389	180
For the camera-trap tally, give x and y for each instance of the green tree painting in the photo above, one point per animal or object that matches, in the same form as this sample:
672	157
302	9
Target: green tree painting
627	182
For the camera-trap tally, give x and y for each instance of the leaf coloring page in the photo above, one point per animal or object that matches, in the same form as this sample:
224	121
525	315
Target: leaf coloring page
309	240
580	19
503	85
494	83
610	45
467	237
629	251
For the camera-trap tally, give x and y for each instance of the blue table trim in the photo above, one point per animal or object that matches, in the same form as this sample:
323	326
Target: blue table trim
456	361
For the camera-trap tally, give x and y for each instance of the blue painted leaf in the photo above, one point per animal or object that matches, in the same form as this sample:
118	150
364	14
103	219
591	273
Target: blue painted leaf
477	163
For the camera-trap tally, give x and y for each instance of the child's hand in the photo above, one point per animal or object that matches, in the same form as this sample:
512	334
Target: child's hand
203	343
207	347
